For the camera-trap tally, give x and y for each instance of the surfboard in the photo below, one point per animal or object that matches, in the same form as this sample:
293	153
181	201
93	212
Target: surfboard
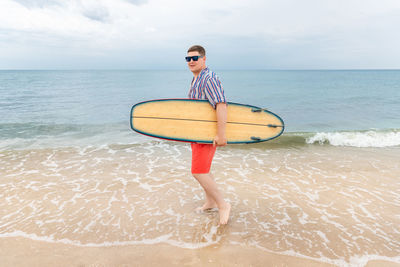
191	120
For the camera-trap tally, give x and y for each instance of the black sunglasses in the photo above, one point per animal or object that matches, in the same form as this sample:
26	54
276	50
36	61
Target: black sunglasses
195	58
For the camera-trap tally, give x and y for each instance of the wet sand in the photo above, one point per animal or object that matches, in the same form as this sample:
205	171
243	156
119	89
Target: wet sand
25	252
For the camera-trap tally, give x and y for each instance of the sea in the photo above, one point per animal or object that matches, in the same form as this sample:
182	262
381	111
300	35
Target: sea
72	171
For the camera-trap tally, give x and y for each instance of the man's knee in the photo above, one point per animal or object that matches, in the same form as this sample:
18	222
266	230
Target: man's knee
198	176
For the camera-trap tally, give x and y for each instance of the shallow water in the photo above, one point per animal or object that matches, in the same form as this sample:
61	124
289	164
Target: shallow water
329	203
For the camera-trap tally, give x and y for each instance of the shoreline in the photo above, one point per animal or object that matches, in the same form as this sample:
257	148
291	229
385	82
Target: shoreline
19	251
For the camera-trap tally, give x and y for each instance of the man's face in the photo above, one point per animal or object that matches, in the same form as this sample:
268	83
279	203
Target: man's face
196	66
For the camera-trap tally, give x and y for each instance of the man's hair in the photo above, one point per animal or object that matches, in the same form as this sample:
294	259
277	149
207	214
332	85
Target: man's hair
197	48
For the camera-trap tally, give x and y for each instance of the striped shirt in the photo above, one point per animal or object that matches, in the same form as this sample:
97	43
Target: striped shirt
207	86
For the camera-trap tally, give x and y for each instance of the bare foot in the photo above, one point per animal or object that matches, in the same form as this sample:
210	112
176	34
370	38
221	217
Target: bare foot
207	206
224	213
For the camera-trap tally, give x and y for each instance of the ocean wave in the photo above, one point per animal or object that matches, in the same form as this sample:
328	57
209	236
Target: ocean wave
360	139
373	138
37	136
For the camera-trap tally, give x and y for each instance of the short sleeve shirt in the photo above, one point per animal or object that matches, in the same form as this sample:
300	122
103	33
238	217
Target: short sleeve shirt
207	86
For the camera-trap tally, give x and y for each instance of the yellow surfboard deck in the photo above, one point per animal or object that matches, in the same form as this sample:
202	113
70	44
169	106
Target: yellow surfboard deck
192	120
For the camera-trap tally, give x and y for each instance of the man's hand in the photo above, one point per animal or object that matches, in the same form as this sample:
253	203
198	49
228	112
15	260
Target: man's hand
219	141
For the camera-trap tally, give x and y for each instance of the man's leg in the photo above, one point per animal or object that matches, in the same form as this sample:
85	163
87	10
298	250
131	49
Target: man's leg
202	156
210	202
213	194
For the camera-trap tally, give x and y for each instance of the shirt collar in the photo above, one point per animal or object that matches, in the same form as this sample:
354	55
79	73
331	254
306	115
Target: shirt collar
203	71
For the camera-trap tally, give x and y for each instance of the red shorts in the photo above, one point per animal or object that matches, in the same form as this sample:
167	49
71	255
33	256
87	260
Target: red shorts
202	156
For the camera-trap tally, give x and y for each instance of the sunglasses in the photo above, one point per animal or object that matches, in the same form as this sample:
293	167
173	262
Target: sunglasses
195	58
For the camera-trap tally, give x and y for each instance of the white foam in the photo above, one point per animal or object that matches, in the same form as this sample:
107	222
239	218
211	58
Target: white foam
323	236
361	261
167	238
357	139
355	261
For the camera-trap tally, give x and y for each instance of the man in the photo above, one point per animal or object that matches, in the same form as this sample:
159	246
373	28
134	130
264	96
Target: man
206	85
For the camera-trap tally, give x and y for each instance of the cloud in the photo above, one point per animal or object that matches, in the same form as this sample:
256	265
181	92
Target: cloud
96	13
137	2
257	33
38	3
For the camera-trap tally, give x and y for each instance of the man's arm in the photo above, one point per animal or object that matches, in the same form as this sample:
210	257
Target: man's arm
222	114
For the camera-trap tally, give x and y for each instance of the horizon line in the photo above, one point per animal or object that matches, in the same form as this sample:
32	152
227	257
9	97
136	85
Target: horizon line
219	69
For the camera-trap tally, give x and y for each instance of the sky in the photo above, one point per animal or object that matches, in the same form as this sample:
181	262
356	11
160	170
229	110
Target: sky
237	34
